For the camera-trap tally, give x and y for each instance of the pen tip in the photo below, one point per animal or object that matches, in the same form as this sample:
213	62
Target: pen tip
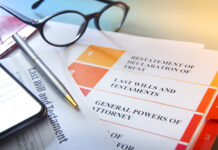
72	101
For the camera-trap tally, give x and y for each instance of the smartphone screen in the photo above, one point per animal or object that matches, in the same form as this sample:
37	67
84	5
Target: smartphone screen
18	107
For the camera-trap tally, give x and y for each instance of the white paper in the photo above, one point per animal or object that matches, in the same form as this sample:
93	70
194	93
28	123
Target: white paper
65	128
157	112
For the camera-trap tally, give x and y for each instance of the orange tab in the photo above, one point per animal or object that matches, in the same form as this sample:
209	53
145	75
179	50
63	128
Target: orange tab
85	91
181	147
214	82
191	128
213	113
86	75
206	100
102	56
207	136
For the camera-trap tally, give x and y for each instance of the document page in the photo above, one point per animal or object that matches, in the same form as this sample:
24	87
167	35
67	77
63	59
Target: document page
149	93
65	127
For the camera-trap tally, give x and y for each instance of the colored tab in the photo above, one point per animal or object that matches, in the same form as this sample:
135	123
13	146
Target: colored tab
100	56
213	113
86	75
207	137
214	82
85	91
191	128
206	100
180	147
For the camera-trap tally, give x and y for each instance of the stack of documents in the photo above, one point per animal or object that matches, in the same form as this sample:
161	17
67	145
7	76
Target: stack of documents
148	93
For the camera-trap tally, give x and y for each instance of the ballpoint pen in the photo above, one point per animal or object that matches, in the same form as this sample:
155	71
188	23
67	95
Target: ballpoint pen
41	66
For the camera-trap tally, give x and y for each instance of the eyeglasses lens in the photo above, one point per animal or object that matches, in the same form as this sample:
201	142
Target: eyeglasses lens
56	34
111	19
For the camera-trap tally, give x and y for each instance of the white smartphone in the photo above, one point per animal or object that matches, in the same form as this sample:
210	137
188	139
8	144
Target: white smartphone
18	106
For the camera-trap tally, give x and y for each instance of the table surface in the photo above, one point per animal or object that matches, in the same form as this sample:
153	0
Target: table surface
186	20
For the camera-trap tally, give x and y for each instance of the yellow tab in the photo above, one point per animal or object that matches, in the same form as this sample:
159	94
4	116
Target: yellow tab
101	55
214	83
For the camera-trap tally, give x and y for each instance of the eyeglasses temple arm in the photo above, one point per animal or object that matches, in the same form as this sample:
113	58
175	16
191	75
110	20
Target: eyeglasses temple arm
17	15
36	4
105	1
111	2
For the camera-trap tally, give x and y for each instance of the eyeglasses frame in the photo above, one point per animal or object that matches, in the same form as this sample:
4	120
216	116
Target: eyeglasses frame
39	24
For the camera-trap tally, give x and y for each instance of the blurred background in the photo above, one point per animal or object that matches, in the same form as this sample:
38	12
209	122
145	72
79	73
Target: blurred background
183	20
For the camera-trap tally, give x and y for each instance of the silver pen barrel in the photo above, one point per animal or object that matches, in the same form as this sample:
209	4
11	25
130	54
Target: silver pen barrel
44	70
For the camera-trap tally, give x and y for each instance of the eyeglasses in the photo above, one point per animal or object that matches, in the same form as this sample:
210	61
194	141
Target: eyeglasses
104	20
